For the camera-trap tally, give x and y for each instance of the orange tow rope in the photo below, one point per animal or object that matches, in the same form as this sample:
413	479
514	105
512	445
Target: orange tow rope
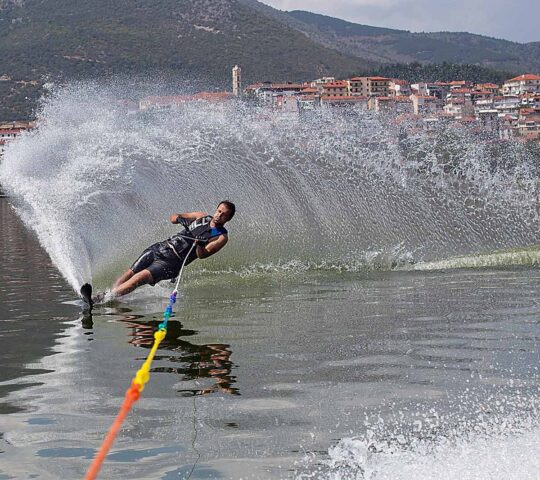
139	381
132	394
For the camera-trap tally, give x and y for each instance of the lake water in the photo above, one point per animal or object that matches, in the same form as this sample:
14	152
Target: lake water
379	375
374	316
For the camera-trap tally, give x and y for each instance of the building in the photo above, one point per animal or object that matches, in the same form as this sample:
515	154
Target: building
10	131
425	104
459	102
176	101
319	82
338	88
528	124
397	105
358	86
237	81
527	83
378	86
351	101
266	93
507	105
459	84
399	88
490	87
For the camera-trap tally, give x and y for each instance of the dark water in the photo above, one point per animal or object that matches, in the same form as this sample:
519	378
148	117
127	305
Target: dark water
380	375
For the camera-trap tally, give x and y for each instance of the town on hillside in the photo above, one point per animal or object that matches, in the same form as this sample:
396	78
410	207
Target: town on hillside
511	110
508	111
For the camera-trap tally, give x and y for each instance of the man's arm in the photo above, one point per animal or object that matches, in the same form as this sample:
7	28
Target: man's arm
212	247
176	217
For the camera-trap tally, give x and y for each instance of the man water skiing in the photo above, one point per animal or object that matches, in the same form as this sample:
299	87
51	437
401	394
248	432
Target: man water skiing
163	260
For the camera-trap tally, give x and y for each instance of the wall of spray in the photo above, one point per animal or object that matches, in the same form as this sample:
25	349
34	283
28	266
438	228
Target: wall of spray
328	190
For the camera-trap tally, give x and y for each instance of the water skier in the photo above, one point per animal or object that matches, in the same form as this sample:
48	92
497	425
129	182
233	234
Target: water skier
163	260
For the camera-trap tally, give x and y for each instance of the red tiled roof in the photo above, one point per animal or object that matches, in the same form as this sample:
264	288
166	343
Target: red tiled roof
525	76
336	84
295	86
349	98
378	78
310	90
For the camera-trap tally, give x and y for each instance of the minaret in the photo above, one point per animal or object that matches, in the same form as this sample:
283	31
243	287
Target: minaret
237	80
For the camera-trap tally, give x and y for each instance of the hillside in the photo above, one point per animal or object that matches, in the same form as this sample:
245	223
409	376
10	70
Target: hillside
63	39
200	40
400	46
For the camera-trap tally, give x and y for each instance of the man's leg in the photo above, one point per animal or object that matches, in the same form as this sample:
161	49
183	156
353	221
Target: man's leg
136	280
124	278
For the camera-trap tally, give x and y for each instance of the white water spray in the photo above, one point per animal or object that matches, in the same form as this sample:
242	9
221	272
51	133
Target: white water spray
326	191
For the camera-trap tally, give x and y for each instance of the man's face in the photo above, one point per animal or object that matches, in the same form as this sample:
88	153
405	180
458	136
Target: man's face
222	214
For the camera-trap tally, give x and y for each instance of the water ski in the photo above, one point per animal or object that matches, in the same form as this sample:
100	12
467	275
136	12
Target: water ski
86	294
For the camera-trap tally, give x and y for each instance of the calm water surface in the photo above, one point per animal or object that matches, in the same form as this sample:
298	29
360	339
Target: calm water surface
261	375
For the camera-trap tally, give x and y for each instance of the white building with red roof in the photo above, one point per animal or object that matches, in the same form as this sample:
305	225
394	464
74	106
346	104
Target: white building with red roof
526	83
338	88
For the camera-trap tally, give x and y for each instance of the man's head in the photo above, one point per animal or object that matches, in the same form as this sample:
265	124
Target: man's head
224	212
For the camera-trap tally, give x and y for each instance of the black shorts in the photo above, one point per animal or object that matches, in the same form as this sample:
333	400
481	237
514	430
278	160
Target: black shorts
161	262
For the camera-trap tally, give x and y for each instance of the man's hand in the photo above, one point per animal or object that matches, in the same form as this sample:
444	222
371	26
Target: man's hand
200	240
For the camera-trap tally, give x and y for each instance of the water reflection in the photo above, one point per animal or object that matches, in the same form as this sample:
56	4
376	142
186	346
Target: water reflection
192	361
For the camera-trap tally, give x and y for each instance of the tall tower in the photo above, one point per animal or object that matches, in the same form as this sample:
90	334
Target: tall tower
237	80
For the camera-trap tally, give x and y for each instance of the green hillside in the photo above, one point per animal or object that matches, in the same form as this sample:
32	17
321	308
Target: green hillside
401	46
60	40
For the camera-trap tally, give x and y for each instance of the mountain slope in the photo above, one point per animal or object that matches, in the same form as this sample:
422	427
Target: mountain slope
62	39
401	46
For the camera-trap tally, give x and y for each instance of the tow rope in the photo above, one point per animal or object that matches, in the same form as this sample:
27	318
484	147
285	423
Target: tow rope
138	383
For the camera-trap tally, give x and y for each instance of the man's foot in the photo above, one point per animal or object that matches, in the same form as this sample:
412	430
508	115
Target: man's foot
99	297
86	294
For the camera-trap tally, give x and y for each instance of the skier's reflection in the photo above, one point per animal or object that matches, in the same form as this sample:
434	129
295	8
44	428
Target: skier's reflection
195	362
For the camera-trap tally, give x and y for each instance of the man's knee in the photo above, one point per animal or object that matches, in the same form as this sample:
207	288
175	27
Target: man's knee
143	277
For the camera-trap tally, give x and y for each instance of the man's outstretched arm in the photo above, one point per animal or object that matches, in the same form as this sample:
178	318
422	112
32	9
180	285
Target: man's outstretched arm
176	217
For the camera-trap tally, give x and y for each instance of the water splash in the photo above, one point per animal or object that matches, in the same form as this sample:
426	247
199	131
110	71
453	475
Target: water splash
496	437
97	185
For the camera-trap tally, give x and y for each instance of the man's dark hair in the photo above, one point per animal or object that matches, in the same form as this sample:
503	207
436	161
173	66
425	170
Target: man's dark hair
230	206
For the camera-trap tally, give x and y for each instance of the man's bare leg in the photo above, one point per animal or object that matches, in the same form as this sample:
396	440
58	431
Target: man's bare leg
124	277
136	280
